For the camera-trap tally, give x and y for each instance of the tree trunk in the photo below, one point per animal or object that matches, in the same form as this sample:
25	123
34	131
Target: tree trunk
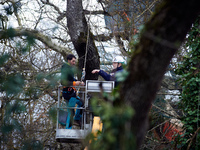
78	31
159	41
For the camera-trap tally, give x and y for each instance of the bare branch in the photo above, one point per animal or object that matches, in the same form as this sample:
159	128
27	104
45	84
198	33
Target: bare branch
193	137
103	37
36	34
100	12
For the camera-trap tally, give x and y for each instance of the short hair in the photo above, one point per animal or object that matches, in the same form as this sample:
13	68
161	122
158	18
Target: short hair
70	56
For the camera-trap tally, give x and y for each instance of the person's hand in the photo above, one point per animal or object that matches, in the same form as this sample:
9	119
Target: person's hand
80	83
95	71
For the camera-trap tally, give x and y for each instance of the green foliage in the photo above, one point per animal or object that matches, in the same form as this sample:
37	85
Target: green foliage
29	41
136	38
13	84
32	144
9	122
11	33
189	74
10	83
17	107
116	132
53	80
3	59
53	114
122	75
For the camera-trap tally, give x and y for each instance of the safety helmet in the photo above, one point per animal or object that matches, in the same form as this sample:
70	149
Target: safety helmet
118	59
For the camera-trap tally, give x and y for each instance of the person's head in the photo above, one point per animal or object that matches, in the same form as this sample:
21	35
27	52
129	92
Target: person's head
117	62
71	59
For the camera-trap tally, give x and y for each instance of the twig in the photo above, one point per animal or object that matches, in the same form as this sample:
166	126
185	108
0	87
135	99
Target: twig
165	112
193	138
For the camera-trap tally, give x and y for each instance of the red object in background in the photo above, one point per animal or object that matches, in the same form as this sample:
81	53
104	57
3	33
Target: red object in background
171	131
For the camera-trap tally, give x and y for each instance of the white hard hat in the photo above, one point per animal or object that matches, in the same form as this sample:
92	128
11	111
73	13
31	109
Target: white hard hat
118	59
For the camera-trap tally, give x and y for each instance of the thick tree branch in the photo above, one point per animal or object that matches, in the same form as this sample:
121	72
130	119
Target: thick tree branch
100	12
5	34
82	38
87	12
160	40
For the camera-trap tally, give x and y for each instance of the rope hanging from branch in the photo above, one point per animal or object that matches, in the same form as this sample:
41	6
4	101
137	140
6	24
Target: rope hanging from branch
86	51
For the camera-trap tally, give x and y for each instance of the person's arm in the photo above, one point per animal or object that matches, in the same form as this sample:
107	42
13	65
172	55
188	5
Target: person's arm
102	73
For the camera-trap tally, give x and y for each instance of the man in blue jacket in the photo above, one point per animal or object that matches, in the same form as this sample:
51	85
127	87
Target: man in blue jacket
117	67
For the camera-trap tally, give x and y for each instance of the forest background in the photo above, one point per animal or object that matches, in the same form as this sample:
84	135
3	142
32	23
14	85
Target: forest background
159	39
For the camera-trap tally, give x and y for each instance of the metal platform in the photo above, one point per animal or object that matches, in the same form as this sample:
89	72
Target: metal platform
71	135
77	135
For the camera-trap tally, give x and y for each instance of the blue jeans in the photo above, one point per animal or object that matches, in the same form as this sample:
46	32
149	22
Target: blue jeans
72	103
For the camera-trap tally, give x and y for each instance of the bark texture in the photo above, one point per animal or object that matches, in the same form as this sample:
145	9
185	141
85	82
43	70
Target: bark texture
78	30
159	41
